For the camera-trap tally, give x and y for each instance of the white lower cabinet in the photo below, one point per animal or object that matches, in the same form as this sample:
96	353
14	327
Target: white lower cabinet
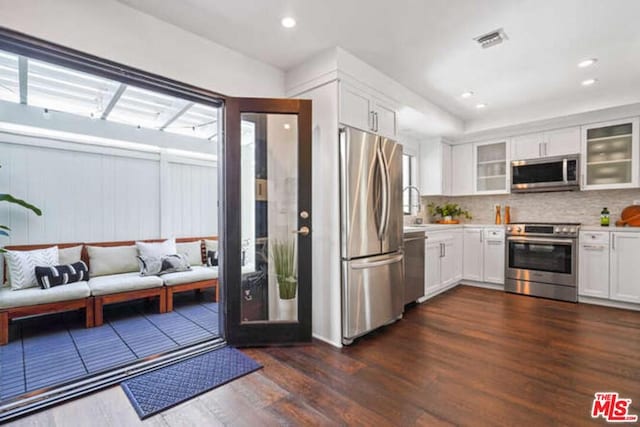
593	260
473	260
494	261
484	255
625	270
443	266
608	265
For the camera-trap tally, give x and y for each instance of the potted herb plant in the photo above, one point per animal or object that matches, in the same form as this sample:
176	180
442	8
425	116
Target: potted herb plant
283	254
449	212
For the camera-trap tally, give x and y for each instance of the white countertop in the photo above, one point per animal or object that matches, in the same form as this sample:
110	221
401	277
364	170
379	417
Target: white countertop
436	227
610	228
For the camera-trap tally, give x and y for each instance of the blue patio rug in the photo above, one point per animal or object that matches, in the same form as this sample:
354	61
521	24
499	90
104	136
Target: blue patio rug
166	387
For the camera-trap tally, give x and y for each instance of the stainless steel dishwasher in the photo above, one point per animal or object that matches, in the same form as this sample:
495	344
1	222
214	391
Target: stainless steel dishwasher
414	242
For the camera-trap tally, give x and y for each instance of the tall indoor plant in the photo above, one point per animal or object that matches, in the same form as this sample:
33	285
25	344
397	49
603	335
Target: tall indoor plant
4	230
284	261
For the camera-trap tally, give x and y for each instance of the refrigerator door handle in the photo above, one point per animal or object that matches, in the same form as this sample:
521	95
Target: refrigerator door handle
370	264
385	194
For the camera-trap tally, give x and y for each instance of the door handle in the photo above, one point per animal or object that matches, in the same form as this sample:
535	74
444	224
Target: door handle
613	241
304	231
539	149
371	121
564	170
385	197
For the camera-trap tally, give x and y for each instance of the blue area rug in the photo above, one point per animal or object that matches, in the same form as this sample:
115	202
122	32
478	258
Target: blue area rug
159	390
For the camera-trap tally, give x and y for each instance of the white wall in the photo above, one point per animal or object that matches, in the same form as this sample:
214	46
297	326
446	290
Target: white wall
325	215
90	193
111	30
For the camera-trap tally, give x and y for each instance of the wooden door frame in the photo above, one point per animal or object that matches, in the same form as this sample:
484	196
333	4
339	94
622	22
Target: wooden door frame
263	333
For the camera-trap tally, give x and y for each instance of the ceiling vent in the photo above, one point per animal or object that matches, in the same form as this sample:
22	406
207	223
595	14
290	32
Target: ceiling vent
491	39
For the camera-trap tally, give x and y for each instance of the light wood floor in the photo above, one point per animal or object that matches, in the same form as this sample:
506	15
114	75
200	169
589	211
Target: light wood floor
468	357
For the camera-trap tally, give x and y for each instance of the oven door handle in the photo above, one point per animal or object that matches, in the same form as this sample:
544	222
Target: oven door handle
541	240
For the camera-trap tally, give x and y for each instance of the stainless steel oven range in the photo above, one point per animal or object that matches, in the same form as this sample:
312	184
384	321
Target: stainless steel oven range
542	260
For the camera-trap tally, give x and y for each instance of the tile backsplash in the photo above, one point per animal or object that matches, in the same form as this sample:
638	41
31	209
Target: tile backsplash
570	206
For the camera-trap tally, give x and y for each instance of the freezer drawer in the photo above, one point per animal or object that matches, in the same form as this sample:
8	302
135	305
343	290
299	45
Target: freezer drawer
373	293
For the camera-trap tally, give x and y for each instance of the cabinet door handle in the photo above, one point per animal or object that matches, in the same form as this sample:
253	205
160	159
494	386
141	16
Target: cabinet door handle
613	241
545	149
539	149
371	120
481	237
375	114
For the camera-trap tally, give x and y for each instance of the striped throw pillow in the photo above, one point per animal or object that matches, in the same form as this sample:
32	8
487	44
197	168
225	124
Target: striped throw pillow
57	275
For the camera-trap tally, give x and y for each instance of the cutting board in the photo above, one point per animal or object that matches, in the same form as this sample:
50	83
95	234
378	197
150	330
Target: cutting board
630	216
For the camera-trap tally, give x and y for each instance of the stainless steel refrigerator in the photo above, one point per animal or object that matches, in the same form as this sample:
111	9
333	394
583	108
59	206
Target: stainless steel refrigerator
371	221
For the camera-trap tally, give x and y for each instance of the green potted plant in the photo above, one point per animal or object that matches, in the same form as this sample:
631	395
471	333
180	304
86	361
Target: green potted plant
449	212
4	230
283	254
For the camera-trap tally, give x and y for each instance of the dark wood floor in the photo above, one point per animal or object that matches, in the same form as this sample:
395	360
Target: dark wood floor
467	357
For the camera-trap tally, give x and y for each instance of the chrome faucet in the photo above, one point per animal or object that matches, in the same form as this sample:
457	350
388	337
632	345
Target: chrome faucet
413	187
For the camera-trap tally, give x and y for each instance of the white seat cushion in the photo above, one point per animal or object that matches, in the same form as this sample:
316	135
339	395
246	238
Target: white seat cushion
193	251
115	283
196	274
34	296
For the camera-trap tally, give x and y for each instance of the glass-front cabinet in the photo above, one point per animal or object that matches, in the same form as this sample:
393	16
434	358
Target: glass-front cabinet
491	167
610	155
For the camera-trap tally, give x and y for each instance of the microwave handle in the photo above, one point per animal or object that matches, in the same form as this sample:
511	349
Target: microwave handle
564	171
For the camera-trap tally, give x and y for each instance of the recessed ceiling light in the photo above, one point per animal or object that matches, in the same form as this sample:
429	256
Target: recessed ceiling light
587	62
288	22
481	106
589	82
467	94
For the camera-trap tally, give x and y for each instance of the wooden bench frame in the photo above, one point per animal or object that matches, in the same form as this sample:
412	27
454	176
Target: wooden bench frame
93	306
193	286
54	307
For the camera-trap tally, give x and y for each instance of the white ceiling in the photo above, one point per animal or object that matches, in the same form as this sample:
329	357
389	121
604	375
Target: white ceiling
427	46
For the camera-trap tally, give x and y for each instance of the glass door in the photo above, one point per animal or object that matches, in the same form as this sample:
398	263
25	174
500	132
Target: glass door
266	279
491	167
610	151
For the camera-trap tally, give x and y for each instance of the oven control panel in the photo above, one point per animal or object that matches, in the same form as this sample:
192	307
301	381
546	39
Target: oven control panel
557	230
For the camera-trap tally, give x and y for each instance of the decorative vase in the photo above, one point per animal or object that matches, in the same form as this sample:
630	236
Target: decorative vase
448	218
287	309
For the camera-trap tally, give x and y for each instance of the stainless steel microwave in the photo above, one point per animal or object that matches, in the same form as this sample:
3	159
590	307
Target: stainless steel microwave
547	174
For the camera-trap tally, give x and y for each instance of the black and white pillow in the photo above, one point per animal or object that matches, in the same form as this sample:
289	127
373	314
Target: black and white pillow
152	266
212	258
57	275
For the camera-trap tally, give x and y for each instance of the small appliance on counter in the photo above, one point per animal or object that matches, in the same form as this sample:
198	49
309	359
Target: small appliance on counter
542	260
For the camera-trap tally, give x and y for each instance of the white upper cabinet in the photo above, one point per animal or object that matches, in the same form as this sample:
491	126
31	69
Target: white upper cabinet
562	142
553	143
435	168
462	170
367	112
526	147
610	155
491	161
355	108
385	118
